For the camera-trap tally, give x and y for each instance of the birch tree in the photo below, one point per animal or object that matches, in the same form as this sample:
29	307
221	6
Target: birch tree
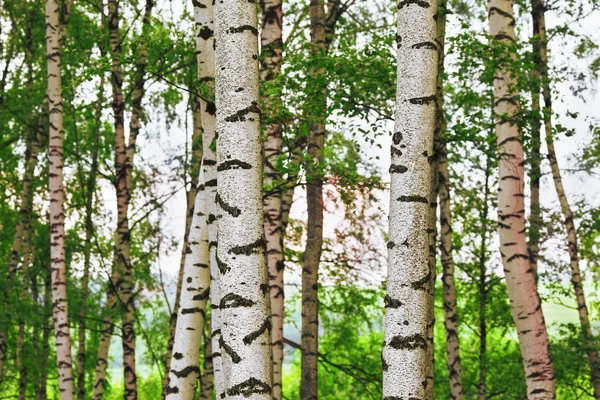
520	277
446	250
541	60
55	31
408	297
205	48
244	302
185	368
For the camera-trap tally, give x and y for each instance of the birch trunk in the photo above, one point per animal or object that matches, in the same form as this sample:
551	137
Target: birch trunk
244	303
124	188
520	277
408	298
272	49
572	240
185	368
446	251
190	202
205	48
60	309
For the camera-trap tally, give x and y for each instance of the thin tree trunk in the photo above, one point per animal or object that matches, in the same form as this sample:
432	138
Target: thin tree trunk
520	277
123	236
584	319
87	247
205	48
244	304
28	252
55	32
483	283
185	368
446	250
408	299
272	49
40	393
208	374
36	335
535	219
190	202
25	215
317	111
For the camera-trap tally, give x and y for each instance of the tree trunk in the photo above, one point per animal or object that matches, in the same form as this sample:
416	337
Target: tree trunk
520	277
60	310
535	219
408	299
87	247
208	374
272	49
46	333
28	254
244	304
446	249
23	218
205	48
317	111
483	282
185	368
190	197
584	319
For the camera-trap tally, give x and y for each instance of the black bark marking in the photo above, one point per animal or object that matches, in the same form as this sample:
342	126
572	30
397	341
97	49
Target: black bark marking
233	164
411	342
397	138
391	245
425	45
193	310
249	387
223	267
190	369
206	33
232	300
392	303
243	28
232	210
515	256
413	199
202	296
266	326
406	3
397	169
503	13
249	248
241	114
235	357
423	100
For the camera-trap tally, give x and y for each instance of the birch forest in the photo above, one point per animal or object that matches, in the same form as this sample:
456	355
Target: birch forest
299	199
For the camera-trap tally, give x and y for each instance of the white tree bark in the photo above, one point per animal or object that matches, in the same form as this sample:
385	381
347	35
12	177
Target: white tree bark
185	364
244	304
60	309
520	278
205	48
408	297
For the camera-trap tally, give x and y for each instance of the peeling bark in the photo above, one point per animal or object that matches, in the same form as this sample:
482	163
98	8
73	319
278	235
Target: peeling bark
408	300
520	277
